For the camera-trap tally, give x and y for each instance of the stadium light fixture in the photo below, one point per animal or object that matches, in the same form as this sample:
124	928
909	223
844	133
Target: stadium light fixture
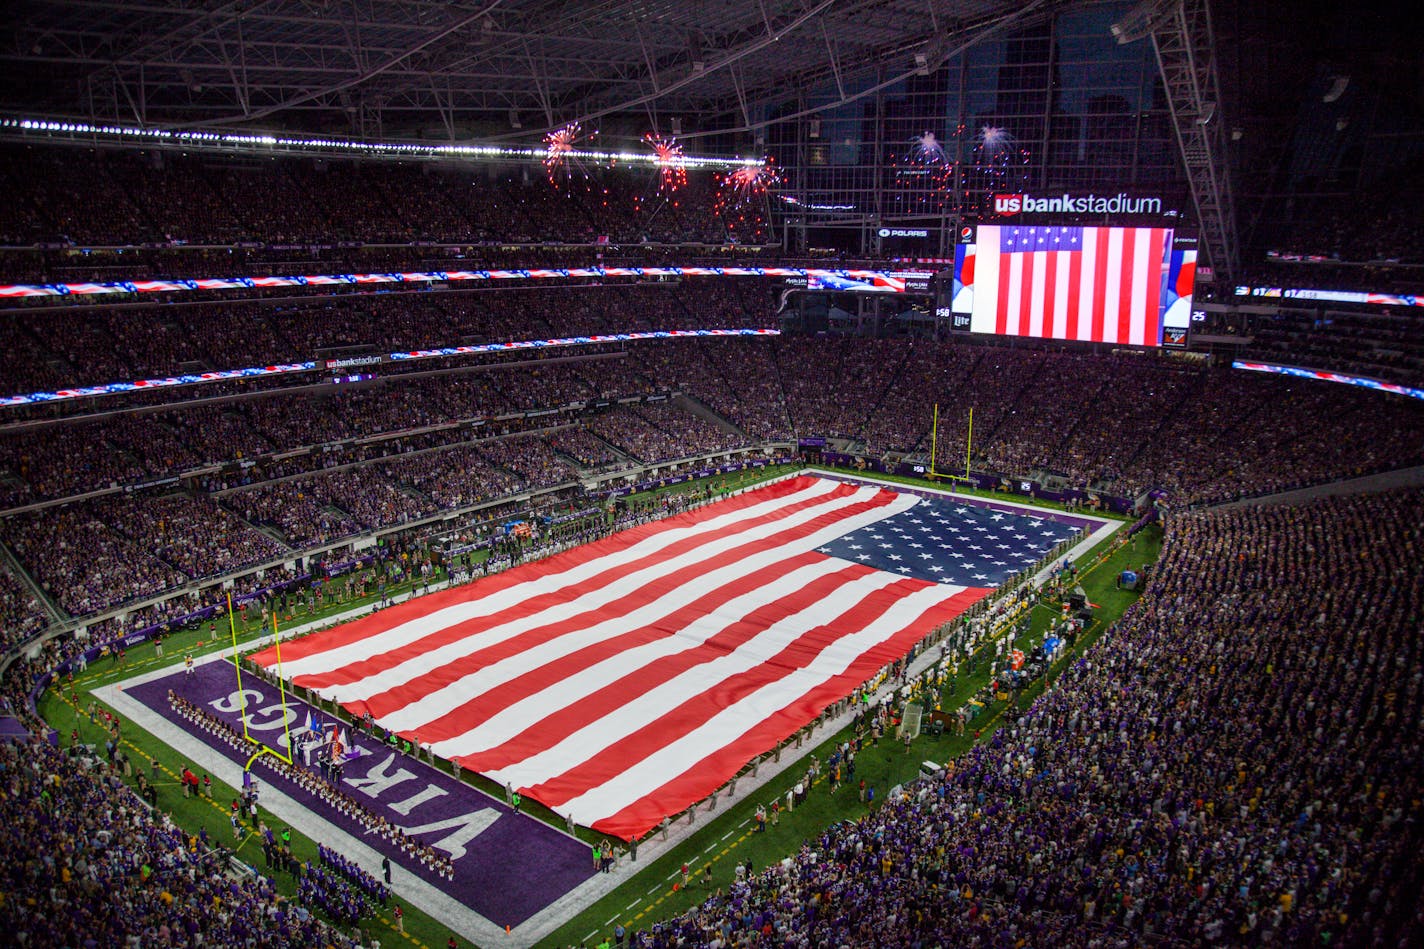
1136	23
29	129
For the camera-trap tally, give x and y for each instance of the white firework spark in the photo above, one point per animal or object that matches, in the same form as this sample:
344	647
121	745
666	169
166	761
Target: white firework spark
928	150
995	139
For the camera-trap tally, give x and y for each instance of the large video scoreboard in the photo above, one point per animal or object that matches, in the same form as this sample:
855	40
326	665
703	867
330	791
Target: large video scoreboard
1124	285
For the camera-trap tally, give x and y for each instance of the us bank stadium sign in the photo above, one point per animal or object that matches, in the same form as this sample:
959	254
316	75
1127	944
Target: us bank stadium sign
1121	203
354	362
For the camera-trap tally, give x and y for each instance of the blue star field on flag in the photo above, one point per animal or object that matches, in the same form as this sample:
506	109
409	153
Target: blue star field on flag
948	542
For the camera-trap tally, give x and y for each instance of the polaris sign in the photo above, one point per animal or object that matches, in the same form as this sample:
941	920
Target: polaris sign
904	232
1007	204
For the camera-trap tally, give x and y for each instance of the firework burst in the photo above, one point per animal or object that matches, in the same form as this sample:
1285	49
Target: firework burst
999	162
672	166
561	161
749	182
995	140
740	199
927	150
924	176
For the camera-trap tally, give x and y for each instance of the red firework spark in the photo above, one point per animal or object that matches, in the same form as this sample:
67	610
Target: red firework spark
752	180
745	185
672	167
559	157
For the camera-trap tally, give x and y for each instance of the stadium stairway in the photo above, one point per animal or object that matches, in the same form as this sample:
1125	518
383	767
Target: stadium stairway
697	407
56	615
781	387
1382	481
985	428
619	452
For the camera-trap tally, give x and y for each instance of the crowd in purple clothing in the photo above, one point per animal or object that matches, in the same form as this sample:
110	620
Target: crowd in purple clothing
585	448
95	554
1085	417
454	477
737	379
304	517
829	384
83	564
1238	761
348	869
307	469
196	535
526	462
21	614
338	899
85	863
661	432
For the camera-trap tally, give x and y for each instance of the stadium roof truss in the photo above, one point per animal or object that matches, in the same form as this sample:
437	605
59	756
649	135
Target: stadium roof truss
370	67
507	70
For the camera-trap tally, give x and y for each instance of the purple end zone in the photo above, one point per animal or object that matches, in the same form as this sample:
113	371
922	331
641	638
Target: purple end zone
508	866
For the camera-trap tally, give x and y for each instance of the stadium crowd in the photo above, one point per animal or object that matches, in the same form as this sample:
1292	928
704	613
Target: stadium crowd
87	863
1381	344
1161	792
62	346
21	613
585	448
1236	762
96	197
308	469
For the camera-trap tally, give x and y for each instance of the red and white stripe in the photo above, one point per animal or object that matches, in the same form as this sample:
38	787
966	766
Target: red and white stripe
622	681
1109	291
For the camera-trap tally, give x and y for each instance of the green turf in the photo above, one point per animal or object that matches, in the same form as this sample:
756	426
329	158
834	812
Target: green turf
881	767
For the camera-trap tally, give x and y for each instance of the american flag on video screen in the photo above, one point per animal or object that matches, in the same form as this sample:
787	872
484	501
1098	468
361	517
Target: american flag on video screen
1085	283
622	681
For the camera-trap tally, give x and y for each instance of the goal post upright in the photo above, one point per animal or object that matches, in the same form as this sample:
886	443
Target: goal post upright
934	449
282	692
237	667
934	436
969	444
263	747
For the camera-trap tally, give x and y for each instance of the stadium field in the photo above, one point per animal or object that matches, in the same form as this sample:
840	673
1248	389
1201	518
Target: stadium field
824	520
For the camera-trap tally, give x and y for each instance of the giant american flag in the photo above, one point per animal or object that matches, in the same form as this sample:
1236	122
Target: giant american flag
621	681
1084	283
